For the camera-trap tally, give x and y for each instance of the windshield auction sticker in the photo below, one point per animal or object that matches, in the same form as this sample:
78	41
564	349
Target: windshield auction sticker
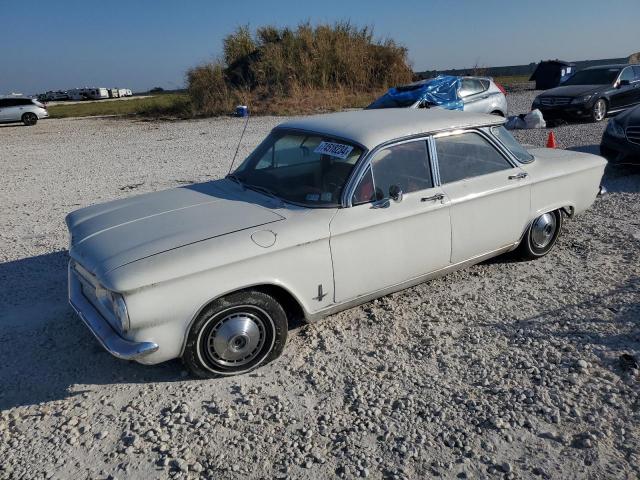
334	149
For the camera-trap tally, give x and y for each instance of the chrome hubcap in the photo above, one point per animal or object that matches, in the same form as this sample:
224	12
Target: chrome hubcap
236	339
543	229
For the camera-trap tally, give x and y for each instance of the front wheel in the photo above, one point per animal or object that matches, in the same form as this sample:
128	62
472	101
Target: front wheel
541	235
29	119
236	334
599	110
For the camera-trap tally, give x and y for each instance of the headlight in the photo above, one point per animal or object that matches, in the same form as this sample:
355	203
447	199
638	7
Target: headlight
615	129
120	311
582	99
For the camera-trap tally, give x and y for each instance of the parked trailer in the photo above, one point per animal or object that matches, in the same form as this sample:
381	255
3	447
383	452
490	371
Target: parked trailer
94	93
114	93
125	92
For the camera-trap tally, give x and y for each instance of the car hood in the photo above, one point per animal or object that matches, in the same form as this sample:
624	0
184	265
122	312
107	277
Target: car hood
109	235
573	90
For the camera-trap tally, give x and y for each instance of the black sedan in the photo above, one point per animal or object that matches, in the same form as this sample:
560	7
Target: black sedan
592	93
621	140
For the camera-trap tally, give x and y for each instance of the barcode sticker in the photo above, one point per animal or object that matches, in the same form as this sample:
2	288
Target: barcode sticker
334	149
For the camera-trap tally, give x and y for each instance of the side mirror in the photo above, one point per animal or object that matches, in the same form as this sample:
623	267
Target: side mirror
624	83
395	193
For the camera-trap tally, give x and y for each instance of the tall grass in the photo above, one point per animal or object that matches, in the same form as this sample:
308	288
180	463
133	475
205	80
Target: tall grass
285	65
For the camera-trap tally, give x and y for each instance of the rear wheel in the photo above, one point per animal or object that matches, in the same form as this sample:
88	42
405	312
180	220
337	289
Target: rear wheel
541	235
236	334
29	119
599	110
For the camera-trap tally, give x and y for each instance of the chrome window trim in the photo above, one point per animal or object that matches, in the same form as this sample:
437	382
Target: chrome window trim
366	162
365	159
433	160
506	149
506	154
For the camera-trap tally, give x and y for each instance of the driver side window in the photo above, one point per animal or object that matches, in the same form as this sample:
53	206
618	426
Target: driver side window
627	74
405	165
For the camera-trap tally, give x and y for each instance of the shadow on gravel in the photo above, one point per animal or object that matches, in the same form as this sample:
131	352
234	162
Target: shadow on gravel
589	329
46	353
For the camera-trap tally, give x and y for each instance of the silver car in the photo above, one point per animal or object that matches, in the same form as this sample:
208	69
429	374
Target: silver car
478	94
21	109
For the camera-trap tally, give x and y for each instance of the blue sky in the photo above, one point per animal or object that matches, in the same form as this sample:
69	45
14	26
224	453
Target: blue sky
141	44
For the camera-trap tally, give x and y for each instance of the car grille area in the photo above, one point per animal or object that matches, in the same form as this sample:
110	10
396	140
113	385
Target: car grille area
633	134
555	101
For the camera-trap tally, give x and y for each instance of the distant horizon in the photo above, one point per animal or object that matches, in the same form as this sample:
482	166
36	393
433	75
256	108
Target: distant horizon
151	44
415	71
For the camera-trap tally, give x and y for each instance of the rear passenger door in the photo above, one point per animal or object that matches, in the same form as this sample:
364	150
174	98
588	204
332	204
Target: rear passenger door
9	110
3	110
474	94
489	196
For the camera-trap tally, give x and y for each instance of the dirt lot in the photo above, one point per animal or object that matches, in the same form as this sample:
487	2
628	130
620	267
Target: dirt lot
505	370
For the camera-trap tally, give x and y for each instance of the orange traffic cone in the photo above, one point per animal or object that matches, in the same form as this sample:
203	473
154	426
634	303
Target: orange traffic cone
551	141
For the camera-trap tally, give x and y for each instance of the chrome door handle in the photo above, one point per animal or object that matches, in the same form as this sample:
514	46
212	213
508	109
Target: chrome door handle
437	196
519	176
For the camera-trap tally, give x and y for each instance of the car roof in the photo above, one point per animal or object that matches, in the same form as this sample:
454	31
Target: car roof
613	65
370	128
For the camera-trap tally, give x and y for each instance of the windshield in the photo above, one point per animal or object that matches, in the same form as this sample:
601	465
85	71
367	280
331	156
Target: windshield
597	76
386	101
307	169
512	144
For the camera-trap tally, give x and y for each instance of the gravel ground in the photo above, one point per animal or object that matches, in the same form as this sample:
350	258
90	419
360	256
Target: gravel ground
505	370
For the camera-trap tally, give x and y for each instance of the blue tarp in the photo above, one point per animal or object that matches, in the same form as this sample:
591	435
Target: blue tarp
441	91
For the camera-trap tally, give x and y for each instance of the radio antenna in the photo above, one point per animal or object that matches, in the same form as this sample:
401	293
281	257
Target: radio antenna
239	142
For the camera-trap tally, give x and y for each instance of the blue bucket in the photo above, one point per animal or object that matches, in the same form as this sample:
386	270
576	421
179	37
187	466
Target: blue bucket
242	111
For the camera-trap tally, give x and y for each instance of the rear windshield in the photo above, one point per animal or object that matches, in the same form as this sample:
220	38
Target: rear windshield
505	137
597	76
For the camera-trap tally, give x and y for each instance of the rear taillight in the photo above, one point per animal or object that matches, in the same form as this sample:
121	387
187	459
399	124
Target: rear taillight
501	88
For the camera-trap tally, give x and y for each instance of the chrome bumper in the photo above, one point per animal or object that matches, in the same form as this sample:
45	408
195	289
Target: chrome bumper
101	329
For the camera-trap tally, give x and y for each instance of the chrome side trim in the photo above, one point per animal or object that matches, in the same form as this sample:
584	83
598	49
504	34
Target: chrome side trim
100	328
314	317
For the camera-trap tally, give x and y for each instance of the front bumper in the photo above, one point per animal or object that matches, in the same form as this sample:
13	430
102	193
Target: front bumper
103	331
565	111
617	149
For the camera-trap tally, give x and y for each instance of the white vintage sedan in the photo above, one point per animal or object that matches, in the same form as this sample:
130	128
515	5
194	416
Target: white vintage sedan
328	212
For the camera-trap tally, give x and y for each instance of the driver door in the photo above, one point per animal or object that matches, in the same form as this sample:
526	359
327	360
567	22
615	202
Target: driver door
398	228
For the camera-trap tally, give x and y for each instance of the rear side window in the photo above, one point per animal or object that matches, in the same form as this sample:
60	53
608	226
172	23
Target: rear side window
467	155
4	103
470	86
405	165
636	71
627	74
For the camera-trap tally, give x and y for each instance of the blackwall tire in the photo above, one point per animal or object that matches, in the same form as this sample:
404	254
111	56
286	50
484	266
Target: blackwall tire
541	235
236	334
29	119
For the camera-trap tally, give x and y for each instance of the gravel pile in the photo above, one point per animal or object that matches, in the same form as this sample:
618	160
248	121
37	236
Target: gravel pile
505	370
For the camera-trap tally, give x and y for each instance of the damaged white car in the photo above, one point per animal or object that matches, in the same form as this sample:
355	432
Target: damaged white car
328	212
